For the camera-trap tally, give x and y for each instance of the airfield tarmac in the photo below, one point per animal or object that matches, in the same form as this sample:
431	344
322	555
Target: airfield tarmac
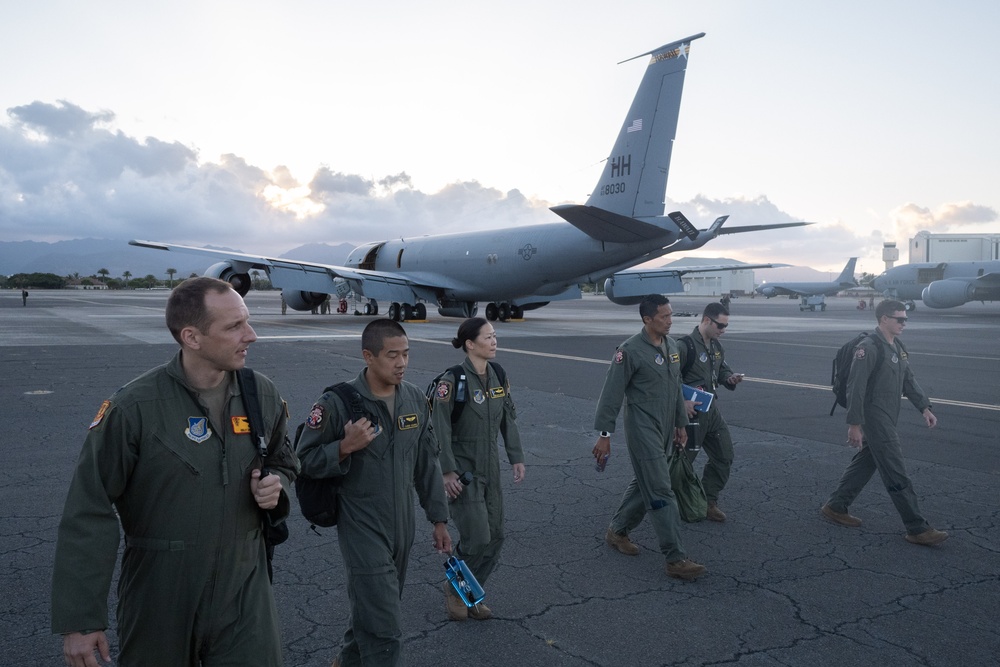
783	586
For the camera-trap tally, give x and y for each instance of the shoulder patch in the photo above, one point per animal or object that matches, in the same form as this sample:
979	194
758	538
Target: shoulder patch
443	390
619	356
100	414
859	353
315	418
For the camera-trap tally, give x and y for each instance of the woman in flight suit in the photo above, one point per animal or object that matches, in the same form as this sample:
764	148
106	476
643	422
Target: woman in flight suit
470	412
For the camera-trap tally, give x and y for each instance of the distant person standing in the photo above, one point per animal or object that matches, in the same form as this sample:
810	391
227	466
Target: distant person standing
880	375
472	409
645	374
703	365
284	304
24	297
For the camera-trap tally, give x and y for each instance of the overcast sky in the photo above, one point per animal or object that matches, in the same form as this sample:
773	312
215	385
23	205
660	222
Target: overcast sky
265	125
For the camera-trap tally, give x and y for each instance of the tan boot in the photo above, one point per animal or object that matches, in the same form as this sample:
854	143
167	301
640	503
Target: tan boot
480	612
840	518
621	543
928	538
457	611
715	514
684	569
336	661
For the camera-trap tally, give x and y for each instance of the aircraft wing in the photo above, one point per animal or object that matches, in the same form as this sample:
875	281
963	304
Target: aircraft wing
760	228
302	276
632	284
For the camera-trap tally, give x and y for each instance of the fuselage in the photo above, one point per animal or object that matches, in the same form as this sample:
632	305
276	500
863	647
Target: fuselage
908	281
506	264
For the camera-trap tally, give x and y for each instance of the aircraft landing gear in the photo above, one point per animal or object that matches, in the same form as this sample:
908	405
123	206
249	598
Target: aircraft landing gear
503	311
909	305
401	312
371	308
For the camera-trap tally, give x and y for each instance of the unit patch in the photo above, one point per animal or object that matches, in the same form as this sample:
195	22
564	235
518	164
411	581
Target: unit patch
407	422
198	430
241	425
702	357
859	353
619	356
443	390
315	418
100	414
658	359
478	396
894	359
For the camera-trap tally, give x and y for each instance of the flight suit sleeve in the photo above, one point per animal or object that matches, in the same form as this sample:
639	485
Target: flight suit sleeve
281	460
508	428
443	403
88	537
318	444
613	393
913	392
427	474
725	372
862	366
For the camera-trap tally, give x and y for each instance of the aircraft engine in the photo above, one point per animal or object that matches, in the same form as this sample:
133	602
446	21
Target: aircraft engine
609	291
947	293
458	309
224	271
767	291
298	300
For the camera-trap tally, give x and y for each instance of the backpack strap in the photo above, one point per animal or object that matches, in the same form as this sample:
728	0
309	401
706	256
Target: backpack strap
691	353
247	382
350	397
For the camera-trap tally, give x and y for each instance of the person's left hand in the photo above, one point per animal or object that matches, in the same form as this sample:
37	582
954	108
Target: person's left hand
442	538
518	472
266	492
929	418
681	437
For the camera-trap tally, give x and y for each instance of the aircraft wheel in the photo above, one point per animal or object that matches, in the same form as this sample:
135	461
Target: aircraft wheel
909	305
407	312
394	311
368	308
374	307
420	311
504	312
516	312
492	312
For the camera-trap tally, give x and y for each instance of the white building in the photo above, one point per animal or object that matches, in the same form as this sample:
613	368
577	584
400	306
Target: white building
714	283
927	247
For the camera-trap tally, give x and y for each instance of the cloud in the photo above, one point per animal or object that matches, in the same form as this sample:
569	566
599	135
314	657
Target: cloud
958	217
67	173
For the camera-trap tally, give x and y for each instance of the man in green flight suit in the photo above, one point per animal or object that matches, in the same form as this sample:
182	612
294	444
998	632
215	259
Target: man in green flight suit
380	459
880	375
170	458
645	374
703	366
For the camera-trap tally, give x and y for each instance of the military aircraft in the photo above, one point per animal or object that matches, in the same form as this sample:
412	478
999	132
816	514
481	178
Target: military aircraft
806	289
941	285
517	269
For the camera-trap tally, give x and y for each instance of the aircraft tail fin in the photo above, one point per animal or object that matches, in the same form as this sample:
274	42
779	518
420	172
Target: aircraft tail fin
847	275
634	181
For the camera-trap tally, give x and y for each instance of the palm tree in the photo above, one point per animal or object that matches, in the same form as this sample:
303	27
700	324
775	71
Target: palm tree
171	272
126	276
104	274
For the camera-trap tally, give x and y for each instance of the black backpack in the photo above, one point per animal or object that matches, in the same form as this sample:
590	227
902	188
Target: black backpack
842	368
318	497
461	395
274	534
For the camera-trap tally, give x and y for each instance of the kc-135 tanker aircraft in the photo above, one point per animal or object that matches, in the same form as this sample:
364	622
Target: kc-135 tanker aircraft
512	270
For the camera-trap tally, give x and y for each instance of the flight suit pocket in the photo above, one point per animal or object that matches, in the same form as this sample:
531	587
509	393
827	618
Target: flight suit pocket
173	453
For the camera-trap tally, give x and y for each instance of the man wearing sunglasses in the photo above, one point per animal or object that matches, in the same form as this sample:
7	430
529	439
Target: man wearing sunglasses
703	366
874	388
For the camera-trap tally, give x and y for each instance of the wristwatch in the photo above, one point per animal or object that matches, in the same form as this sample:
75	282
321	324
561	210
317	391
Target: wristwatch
605	434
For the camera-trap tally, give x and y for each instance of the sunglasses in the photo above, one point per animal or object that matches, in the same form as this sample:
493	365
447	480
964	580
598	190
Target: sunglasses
723	326
901	320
